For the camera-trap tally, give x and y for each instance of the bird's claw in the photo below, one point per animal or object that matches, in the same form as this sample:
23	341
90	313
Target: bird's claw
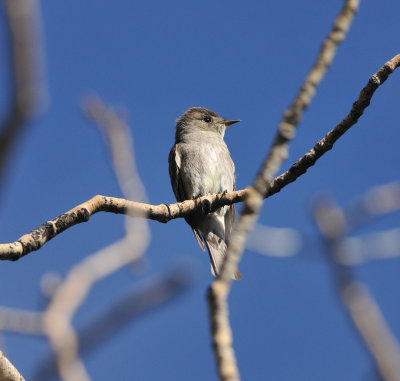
205	207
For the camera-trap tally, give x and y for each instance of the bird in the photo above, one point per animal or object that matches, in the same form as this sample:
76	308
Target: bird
200	164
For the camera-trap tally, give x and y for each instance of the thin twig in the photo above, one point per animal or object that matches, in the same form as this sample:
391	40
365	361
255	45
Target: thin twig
326	144
218	292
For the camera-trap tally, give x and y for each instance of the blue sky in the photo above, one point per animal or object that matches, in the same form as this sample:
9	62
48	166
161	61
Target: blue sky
244	61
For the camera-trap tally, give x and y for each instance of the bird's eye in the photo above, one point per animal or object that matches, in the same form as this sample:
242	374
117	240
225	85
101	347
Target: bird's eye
207	119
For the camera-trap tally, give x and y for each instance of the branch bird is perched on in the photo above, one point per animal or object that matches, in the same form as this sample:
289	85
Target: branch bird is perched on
199	164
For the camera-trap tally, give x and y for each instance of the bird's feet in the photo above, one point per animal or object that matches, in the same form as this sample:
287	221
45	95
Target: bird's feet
205	207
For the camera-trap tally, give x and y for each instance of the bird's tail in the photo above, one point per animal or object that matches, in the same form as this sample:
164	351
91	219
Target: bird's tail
217	250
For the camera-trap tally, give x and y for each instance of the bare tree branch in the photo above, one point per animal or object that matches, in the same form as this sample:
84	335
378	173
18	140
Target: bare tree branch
21	321
206	204
370	247
378	201
119	142
326	144
363	309
27	66
73	291
163	213
8	372
81	278
218	292
136	302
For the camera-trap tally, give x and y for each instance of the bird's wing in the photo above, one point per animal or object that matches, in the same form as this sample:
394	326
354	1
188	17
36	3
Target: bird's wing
230	218
174	161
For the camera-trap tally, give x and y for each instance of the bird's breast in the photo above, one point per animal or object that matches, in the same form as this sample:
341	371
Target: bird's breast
207	168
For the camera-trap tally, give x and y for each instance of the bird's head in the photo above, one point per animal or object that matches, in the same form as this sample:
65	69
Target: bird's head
201	119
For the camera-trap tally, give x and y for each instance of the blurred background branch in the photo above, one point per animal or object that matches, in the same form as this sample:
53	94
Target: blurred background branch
81	278
362	308
378	201
149	295
29	92
21	321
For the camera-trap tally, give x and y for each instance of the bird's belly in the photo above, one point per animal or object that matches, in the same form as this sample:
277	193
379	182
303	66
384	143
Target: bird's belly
212	181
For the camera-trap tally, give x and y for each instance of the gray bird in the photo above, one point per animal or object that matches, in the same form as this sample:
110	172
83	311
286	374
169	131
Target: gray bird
199	164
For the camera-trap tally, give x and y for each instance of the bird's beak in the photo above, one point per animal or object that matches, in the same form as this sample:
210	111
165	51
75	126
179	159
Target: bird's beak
230	122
